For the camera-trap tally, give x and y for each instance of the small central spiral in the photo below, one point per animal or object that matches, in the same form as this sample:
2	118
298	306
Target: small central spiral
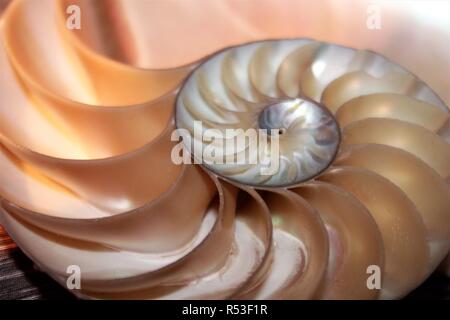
238	89
296	139
309	136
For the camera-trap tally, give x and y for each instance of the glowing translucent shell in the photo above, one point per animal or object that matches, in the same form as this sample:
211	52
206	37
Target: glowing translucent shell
87	176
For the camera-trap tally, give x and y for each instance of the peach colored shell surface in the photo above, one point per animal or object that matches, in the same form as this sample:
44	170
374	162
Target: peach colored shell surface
87	179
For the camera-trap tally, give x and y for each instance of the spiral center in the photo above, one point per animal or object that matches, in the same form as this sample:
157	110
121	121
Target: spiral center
271	118
290	116
309	135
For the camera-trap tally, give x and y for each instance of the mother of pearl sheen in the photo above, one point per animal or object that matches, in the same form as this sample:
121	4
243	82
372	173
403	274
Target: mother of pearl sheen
308	140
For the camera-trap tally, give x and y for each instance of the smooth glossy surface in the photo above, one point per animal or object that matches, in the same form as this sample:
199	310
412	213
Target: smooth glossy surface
85	158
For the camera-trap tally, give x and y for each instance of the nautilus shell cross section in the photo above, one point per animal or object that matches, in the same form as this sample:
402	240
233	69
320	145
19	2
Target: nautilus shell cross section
349	173
307	92
307	133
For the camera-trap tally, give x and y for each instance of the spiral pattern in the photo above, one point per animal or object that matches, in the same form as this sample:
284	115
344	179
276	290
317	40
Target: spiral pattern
88	179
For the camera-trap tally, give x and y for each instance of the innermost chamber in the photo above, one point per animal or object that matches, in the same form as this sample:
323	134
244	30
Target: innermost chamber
309	138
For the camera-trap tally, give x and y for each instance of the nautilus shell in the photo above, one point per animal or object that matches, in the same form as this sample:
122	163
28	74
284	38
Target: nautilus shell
87	176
